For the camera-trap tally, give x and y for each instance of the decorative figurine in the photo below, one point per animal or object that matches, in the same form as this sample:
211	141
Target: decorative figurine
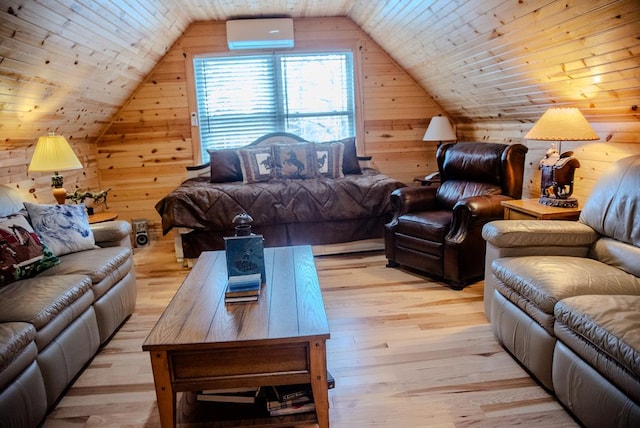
556	178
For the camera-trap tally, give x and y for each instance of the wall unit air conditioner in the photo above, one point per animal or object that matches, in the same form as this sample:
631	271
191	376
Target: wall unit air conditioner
260	33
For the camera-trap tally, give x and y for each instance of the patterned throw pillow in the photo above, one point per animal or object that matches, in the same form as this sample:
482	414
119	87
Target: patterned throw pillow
63	228
256	164
225	166
329	157
22	254
295	161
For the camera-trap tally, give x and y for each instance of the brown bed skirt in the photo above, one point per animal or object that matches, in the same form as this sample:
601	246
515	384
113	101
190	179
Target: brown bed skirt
320	233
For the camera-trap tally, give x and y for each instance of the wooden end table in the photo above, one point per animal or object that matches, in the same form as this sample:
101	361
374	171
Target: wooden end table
200	342
102	216
531	209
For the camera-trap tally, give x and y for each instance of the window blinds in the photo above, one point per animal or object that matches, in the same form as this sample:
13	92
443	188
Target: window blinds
241	98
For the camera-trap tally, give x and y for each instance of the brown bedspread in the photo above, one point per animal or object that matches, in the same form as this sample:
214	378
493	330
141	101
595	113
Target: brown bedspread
201	205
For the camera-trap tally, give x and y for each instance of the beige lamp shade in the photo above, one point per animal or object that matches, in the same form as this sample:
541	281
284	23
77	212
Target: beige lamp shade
562	124
53	153
439	129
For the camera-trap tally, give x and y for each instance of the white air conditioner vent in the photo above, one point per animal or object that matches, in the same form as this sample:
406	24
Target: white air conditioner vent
260	33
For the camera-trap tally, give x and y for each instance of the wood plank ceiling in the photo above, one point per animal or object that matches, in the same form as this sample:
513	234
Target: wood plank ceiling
69	65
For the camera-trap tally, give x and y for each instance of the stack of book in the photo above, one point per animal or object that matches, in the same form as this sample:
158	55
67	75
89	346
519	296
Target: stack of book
289	399
292	399
243	288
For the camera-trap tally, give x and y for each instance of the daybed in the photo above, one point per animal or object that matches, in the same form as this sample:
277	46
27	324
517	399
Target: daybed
296	192
564	299
61	298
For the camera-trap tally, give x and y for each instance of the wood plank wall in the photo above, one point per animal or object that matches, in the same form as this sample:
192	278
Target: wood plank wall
143	153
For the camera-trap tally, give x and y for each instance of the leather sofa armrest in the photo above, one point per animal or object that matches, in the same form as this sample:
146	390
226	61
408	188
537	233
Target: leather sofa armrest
538	233
482	208
112	233
411	199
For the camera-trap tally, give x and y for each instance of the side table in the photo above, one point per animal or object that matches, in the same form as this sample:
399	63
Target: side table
531	209
102	216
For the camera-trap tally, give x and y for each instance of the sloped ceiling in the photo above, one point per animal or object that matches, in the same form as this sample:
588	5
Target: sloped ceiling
68	65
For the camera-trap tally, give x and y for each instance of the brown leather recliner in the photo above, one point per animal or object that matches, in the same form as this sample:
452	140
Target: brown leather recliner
438	230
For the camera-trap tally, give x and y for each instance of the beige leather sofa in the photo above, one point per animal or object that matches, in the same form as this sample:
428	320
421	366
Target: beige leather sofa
51	325
564	299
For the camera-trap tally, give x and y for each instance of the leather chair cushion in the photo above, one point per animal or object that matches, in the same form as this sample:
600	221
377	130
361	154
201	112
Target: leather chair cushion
605	332
470	161
105	267
539	282
450	192
428	225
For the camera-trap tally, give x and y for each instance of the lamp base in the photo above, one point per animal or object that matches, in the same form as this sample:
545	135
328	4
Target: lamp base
561	203
60	194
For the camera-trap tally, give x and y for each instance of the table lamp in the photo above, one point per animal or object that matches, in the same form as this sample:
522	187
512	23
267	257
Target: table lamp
557	168
439	129
53	153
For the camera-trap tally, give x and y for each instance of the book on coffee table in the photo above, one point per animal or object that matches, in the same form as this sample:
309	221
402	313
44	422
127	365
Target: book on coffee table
243	288
229	396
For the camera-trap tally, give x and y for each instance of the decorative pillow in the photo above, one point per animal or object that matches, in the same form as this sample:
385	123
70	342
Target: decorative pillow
63	228
329	157
22	254
350	164
295	161
256	164
225	166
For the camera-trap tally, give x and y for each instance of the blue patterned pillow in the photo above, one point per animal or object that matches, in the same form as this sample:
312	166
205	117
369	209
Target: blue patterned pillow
63	228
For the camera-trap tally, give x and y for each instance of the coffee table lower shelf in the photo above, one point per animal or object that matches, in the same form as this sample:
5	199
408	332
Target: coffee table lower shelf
194	413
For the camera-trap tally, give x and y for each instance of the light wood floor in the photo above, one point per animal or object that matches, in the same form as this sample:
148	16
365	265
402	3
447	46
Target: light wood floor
405	352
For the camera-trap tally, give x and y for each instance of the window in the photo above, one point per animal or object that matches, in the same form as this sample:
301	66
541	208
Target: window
241	98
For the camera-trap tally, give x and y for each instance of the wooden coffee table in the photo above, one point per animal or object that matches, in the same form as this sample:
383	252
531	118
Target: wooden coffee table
200	342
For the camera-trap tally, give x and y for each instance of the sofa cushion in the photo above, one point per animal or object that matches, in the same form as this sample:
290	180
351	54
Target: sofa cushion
431	225
295	161
15	338
63	228
256	164
225	166
537	283
105	267
617	254
22	254
617	190
50	303
605	332
330	158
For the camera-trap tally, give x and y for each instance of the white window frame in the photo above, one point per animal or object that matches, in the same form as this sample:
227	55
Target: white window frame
356	124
